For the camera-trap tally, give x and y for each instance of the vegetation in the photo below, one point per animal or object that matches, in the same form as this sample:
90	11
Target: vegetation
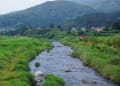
50	33
49	14
100	50
15	53
53	80
100	5
116	24
101	53
94	20
37	64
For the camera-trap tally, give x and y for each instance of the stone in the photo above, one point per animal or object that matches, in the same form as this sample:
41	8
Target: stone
92	82
85	81
76	67
67	70
59	46
39	76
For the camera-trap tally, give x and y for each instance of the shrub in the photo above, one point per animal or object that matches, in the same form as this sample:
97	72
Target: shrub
37	64
53	80
115	61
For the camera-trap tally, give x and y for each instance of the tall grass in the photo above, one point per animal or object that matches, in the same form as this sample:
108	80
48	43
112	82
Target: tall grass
15	54
101	56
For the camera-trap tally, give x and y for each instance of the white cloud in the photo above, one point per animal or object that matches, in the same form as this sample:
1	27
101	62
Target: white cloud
7	6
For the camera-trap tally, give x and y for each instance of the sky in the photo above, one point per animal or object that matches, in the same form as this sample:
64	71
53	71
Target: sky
7	6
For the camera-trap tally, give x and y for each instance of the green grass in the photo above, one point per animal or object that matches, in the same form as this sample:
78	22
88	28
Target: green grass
53	80
15	54
97	54
110	41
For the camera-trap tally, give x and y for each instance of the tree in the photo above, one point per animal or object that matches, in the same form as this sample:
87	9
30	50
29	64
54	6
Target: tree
116	25
52	25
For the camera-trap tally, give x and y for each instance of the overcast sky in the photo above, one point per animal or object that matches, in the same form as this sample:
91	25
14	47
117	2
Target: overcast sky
7	6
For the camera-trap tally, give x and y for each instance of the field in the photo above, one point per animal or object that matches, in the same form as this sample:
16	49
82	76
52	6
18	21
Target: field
15	54
100	53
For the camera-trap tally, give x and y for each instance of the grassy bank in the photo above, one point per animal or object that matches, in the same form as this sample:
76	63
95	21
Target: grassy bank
99	53
53	80
15	54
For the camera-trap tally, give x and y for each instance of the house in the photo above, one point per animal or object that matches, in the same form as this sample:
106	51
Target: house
73	29
98	29
83	29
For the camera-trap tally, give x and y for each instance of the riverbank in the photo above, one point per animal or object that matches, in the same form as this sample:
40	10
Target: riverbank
15	54
102	59
59	62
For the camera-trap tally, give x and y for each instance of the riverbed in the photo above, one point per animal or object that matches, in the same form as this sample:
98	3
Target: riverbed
59	62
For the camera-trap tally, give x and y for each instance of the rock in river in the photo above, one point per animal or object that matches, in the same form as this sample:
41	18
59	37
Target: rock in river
67	70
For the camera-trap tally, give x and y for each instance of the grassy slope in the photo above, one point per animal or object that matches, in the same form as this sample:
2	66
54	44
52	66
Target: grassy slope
98	54
15	53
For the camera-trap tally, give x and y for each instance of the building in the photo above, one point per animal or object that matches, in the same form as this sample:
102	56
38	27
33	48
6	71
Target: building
83	29
98	29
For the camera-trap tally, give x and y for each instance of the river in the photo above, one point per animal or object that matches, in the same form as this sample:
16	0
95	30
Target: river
58	60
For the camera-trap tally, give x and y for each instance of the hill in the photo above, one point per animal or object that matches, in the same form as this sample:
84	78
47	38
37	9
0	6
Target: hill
94	20
116	24
52	12
101	5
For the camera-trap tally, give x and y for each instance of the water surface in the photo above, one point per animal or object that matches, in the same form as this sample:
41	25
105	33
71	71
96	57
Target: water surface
58	60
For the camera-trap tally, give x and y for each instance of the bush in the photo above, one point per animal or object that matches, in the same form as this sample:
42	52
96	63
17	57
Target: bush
53	80
115	61
37	64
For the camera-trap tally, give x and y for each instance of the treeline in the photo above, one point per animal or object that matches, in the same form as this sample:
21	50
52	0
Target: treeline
39	32
94	20
116	24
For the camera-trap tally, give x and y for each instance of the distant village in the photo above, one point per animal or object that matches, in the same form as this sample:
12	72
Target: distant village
98	29
83	36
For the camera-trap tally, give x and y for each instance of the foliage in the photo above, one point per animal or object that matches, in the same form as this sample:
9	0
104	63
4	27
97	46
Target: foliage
37	64
94	20
116	24
100	5
53	80
15	54
54	12
49	33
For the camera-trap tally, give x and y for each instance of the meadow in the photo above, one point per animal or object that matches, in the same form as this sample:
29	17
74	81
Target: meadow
100	53
15	54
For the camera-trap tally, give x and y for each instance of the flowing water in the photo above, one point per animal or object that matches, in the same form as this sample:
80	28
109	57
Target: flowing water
58	61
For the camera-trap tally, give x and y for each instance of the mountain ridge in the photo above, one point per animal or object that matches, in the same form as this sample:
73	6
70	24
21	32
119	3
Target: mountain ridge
52	12
94	20
101	5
